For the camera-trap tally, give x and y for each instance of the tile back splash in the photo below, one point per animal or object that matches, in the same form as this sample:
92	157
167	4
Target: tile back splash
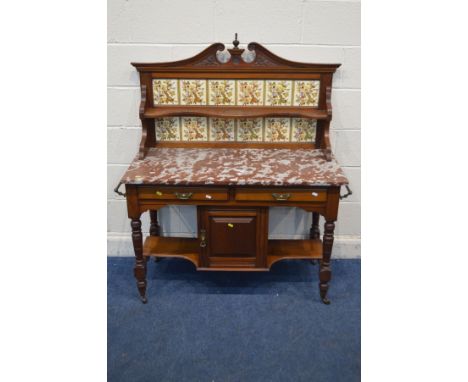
250	92
166	92
306	93
202	129
222	130
221	92
278	93
192	92
168	129
277	129
250	130
230	92
303	129
194	129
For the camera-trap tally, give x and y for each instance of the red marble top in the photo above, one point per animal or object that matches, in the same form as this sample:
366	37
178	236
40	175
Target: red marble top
235	166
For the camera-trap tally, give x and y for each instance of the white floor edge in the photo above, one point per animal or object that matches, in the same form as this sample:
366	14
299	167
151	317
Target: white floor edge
344	247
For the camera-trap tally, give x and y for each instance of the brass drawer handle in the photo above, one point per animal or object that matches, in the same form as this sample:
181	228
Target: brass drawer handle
281	196
183	195
203	238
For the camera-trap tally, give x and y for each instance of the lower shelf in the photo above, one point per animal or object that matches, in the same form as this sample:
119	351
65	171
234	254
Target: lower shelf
188	248
293	249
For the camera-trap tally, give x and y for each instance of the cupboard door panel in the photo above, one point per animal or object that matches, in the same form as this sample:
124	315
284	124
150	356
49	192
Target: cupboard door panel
232	236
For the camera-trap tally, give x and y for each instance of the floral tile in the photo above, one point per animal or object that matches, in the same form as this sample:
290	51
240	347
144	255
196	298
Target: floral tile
165	92
193	92
303	130
250	130
167	129
222	129
221	92
194	129
250	92
278	93
306	93
277	129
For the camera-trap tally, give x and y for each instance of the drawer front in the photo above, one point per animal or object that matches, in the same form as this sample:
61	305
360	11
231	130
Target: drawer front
282	195
183	193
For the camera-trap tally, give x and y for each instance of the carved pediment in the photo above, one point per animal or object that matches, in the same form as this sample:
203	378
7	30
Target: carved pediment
256	56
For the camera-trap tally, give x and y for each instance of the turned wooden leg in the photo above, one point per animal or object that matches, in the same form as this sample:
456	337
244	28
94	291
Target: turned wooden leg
140	263
315	229
325	270
154	228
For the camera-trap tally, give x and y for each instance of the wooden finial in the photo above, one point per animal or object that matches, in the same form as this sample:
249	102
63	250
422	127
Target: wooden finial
235	42
236	52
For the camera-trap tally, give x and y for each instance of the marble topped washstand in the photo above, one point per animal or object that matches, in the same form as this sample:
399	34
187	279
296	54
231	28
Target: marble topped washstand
234	132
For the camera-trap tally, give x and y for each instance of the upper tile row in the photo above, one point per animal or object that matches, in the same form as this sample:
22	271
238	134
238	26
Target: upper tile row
236	92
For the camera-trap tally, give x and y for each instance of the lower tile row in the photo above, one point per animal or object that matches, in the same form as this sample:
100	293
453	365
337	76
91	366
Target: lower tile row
202	129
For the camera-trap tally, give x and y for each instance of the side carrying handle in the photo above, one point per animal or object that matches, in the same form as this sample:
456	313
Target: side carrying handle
116	190
348	193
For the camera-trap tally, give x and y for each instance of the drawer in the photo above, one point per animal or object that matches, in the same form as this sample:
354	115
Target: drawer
183	193
282	195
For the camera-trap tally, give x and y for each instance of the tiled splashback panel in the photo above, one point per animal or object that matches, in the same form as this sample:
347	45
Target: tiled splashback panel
236	92
201	129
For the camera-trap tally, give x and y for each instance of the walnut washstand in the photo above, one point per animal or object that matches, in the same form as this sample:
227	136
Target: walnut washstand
234	132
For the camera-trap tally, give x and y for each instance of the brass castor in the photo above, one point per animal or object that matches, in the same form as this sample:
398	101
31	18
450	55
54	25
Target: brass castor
326	301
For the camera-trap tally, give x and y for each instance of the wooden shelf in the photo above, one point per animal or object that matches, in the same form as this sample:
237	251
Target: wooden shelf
186	248
293	249
235	111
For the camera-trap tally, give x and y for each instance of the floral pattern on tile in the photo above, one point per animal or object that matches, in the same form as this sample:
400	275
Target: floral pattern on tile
221	92
250	130
277	129
222	129
306	93
269	129
250	92
278	93
165	92
194	129
236	92
192	92
303	130
167	129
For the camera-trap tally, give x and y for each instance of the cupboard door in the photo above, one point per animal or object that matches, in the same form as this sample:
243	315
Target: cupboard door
233	235
235	238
